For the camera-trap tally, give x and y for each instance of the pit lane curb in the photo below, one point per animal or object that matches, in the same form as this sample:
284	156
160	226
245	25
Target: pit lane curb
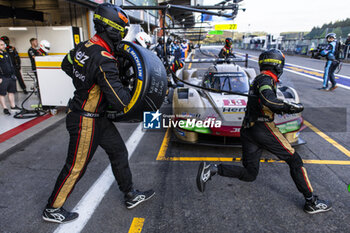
17	142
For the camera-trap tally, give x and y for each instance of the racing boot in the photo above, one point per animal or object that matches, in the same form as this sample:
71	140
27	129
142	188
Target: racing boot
205	172
59	215
135	197
315	205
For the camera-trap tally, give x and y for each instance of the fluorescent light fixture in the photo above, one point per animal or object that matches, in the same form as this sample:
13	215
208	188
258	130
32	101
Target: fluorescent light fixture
60	28
18	29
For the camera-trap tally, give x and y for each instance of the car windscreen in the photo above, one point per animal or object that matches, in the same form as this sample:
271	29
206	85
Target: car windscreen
228	81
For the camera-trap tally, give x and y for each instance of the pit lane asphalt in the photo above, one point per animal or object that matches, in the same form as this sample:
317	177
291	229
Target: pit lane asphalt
270	204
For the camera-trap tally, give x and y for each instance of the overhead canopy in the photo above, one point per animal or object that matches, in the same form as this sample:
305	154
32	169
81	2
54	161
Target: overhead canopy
86	3
20	13
185	18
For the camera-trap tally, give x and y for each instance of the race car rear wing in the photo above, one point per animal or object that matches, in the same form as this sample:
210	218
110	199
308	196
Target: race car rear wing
219	60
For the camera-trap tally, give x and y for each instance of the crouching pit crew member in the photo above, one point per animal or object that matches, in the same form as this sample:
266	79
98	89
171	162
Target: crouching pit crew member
226	51
259	132
95	75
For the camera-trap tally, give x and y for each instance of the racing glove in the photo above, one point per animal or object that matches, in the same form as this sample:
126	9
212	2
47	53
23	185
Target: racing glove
294	107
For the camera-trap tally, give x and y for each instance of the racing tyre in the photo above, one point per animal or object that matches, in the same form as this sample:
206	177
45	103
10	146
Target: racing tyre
144	74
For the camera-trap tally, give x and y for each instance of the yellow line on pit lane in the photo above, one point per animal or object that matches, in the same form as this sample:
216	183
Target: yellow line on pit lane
190	65
227	159
164	146
327	138
136	225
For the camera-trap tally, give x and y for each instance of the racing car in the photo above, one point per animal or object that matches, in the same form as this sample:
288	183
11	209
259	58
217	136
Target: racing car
193	104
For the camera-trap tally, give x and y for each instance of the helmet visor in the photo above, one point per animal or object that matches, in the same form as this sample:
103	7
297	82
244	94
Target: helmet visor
271	61
123	31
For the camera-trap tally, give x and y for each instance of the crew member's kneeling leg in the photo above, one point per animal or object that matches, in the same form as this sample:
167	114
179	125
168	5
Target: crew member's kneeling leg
251	159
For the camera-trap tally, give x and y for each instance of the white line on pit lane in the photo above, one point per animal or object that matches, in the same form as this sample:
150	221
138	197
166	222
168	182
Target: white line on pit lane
98	190
304	67
306	75
320	80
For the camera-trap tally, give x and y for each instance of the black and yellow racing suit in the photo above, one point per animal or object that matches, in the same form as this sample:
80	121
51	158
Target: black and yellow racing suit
16	61
95	76
226	52
259	132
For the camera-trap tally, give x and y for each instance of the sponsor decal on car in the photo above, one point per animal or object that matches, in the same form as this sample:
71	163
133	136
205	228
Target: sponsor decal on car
226	110
234	102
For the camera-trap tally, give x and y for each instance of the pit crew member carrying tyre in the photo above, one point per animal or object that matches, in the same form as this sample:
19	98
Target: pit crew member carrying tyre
260	132
95	75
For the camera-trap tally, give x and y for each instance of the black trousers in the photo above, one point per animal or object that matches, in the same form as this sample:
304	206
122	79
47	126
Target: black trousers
86	134
20	79
267	136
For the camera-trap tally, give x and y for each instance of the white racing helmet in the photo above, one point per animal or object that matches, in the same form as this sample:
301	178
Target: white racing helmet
143	39
45	46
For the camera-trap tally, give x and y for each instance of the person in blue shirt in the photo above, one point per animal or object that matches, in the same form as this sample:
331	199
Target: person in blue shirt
177	50
184	48
332	63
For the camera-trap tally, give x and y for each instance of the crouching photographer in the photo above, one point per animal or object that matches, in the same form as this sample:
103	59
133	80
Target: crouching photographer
95	75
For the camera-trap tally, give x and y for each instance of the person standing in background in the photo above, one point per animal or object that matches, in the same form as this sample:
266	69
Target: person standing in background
347	44
7	80
160	49
169	47
16	62
330	52
184	49
32	52
177	50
